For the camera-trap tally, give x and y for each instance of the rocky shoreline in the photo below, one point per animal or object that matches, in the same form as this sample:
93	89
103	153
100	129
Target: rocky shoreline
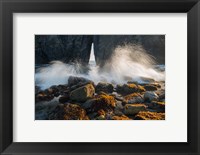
81	99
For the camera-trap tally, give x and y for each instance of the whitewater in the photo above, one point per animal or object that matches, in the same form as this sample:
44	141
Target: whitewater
129	62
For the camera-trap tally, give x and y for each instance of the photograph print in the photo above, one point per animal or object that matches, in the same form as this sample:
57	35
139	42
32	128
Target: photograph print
100	77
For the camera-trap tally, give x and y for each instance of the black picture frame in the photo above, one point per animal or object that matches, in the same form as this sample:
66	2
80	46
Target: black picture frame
8	7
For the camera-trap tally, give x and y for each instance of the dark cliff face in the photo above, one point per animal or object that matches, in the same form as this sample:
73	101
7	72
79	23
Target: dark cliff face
76	48
67	48
104	45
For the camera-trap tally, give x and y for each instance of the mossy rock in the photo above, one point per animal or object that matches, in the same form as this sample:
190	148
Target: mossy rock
103	101
150	116
129	89
69	112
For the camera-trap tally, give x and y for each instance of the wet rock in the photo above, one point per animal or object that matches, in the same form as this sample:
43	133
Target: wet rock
56	91
157	106
73	80
68	112
123	117
37	89
150	96
132	109
150	116
150	88
147	80
118	112
104	102
42	96
119	105
64	99
83	93
105	87
134	98
129	88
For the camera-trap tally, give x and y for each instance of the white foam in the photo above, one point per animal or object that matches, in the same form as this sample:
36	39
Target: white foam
127	62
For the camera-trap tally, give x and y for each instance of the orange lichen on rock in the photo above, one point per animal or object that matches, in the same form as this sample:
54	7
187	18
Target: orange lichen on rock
146	115
69	112
130	96
123	117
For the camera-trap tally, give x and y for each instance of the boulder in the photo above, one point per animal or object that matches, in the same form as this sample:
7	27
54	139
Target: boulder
83	93
150	88
150	96
64	99
105	87
129	88
157	106
150	116
104	102
73	80
134	98
68	112
132	109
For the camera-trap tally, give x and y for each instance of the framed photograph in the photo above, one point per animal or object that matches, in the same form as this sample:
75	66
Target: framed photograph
99	77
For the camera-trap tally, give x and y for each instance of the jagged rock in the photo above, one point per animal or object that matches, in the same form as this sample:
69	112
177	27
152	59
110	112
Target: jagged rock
68	112
129	88
105	87
150	116
104	102
150	96
83	93
132	109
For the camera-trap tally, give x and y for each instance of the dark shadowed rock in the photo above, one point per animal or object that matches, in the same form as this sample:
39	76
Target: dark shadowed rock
105	87
157	106
150	88
66	48
76	48
64	99
78	81
104	45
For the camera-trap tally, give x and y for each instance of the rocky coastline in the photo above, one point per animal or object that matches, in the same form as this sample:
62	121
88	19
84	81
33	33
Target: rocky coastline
82	99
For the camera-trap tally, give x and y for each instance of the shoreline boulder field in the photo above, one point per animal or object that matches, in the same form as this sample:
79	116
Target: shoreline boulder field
82	99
